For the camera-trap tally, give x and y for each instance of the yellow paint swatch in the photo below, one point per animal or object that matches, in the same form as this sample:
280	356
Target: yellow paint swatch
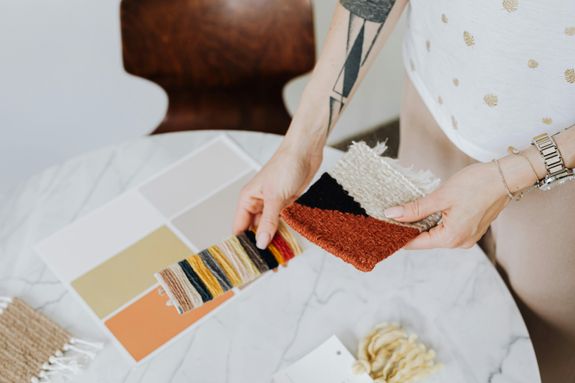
121	278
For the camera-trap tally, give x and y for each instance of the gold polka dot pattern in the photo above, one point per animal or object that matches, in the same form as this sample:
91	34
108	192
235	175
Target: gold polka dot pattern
491	100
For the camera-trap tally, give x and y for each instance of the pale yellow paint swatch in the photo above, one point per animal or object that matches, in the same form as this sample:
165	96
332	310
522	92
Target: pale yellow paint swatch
121	278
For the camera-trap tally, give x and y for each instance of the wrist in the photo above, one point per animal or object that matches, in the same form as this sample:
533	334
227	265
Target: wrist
566	144
522	170
302	149
303	139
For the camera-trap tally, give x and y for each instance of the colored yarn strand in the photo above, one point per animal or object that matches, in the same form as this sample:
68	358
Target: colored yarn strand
225	265
267	256
234	249
211	264
239	250
205	275
191	291
277	254
195	280
176	289
289	238
281	244
252	252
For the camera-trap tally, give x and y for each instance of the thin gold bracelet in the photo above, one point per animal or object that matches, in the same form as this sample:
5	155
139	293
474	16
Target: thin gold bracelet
509	194
517	152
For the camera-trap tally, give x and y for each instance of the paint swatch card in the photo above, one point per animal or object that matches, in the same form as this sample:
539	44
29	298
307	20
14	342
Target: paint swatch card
109	257
329	363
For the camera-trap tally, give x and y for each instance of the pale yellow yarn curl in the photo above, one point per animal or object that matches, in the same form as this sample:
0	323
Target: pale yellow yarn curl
390	355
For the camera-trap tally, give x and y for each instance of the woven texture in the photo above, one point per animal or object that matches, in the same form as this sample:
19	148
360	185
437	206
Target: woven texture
377	183
27	341
342	212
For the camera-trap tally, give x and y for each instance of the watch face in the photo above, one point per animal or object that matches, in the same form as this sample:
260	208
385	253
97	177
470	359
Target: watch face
550	182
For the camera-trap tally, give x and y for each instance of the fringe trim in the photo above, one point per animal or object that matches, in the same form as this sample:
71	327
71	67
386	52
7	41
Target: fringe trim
74	357
4	303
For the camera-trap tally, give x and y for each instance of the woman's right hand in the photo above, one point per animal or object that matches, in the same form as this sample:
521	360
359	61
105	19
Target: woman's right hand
282	179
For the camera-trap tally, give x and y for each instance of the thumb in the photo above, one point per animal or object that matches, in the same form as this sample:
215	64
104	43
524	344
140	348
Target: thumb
415	210
269	221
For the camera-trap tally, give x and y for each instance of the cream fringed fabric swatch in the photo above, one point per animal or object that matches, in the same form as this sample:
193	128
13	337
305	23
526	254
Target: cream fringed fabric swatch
34	349
389	355
378	183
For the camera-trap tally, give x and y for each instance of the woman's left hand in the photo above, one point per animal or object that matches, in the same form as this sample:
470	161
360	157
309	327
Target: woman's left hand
468	201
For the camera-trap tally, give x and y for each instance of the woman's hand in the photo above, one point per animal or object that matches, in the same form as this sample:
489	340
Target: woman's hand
469	201
283	178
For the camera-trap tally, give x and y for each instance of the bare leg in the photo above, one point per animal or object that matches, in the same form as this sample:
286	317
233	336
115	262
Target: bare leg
535	249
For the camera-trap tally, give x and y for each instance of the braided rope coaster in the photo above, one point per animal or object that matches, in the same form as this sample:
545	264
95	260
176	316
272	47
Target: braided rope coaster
34	349
343	211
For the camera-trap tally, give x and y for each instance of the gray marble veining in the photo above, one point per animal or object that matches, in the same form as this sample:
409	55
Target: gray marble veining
453	299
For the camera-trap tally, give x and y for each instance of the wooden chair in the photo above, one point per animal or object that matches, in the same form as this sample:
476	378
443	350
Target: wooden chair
223	63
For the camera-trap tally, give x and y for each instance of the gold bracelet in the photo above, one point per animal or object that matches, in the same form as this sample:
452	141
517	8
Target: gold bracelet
515	151
509	194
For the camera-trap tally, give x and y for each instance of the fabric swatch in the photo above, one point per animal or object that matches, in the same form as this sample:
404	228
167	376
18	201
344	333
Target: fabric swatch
342	212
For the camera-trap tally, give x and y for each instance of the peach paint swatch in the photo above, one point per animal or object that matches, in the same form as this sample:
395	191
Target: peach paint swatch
149	323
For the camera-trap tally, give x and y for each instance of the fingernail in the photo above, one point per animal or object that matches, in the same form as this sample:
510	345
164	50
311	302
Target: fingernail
393	212
262	240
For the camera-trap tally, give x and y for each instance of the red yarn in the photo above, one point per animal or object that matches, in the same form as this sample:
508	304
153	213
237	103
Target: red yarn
280	243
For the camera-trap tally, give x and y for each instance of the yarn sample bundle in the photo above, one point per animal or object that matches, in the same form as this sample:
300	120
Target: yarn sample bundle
233	263
390	355
35	349
343	211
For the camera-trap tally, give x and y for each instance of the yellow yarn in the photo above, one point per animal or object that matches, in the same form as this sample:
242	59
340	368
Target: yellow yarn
205	275
238	249
276	253
225	265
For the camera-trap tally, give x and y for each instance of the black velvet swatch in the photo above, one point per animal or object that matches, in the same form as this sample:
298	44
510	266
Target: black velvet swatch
327	194
195	280
266	255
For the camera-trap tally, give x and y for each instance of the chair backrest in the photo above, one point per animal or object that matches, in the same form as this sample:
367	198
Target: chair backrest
223	63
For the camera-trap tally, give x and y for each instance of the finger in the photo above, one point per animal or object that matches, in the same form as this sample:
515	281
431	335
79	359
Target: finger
432	239
247	208
268	222
415	210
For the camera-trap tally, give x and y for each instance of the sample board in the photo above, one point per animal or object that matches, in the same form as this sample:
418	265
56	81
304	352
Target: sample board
108	258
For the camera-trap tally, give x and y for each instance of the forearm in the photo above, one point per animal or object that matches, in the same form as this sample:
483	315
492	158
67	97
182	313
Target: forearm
353	41
519	173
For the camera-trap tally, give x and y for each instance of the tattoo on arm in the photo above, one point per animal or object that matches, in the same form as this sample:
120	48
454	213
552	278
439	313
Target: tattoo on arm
366	19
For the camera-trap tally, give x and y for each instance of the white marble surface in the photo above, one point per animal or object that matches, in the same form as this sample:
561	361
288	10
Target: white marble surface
453	299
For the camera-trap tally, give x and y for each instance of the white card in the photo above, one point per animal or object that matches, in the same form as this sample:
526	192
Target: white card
329	363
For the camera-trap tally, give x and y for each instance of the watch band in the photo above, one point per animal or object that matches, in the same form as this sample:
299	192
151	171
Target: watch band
554	164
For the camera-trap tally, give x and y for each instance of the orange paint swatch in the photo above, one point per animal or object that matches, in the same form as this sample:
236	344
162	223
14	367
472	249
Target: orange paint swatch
148	323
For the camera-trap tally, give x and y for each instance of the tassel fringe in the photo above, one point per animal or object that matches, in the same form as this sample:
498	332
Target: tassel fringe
75	356
71	359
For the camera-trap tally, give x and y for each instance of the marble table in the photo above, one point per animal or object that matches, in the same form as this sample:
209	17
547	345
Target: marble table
453	299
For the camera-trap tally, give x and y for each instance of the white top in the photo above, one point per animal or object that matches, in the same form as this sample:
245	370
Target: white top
496	73
454	299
